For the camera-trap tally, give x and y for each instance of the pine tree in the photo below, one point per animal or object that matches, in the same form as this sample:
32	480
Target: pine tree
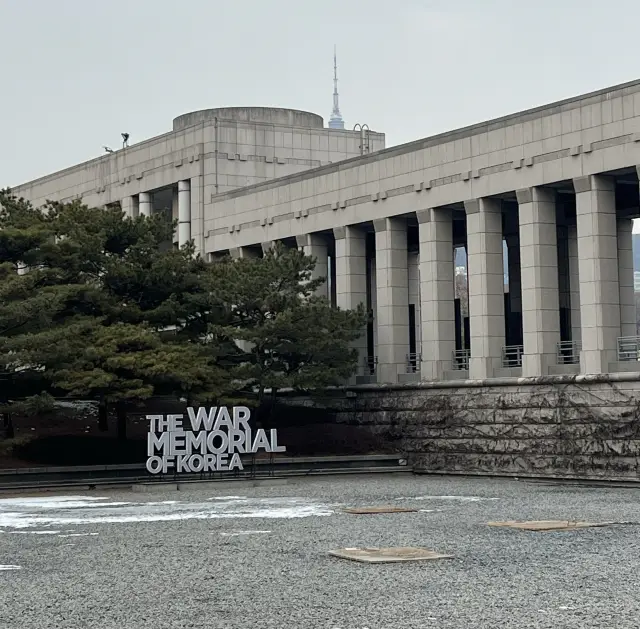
29	303
106	308
288	337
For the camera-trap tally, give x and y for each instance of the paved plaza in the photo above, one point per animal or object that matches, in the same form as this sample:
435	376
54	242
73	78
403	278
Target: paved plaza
240	556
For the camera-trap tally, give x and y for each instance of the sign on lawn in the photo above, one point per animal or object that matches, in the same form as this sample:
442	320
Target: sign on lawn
210	440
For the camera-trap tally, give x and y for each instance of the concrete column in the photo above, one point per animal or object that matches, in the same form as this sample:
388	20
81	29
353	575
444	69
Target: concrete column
184	212
316	247
625	276
144	202
128	206
351	275
392	287
486	286
598	268
539	265
574	283
437	291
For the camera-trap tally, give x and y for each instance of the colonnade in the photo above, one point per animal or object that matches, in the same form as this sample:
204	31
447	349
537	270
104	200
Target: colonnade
142	205
595	283
591	278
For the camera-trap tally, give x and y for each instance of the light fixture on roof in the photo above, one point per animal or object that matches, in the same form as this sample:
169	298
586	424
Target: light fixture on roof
365	142
125	140
107	149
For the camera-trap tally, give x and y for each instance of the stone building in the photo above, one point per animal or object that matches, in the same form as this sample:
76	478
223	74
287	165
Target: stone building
207	153
557	184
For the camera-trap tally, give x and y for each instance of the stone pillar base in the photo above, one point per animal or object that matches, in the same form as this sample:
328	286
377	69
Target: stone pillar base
434	369
481	368
537	364
596	361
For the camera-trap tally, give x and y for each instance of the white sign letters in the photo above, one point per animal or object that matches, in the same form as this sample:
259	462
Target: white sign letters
211	440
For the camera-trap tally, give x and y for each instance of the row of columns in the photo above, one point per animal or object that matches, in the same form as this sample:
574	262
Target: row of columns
599	279
599	282
143	206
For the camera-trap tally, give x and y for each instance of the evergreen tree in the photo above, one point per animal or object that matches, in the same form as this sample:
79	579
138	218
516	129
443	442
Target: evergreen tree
103	309
287	337
29	303
97	305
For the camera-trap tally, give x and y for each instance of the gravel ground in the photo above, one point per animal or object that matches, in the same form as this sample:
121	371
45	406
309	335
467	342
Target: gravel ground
235	558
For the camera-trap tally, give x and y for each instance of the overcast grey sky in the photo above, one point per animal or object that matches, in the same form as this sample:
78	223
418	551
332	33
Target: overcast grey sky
76	73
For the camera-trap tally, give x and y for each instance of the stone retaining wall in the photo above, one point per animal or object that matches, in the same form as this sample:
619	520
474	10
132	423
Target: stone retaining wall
555	426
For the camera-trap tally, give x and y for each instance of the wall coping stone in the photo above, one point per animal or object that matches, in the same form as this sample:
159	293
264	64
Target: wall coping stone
631	376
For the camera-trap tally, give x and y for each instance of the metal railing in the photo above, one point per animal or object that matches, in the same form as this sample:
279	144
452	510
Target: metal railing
512	356
370	365
568	352
413	362
628	348
460	359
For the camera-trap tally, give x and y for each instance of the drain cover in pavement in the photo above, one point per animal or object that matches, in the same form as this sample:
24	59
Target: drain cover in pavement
388	555
549	525
374	510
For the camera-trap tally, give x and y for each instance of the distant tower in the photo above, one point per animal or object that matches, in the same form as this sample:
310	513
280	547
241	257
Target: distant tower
336	121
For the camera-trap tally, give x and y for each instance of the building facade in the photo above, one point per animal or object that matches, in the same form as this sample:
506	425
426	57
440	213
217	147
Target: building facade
556	187
208	152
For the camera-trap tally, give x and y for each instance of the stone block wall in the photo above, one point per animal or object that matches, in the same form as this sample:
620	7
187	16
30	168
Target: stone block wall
563	426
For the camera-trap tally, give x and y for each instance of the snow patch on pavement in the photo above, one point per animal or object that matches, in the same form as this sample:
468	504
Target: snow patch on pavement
458	498
237	533
65	511
34	532
59	502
